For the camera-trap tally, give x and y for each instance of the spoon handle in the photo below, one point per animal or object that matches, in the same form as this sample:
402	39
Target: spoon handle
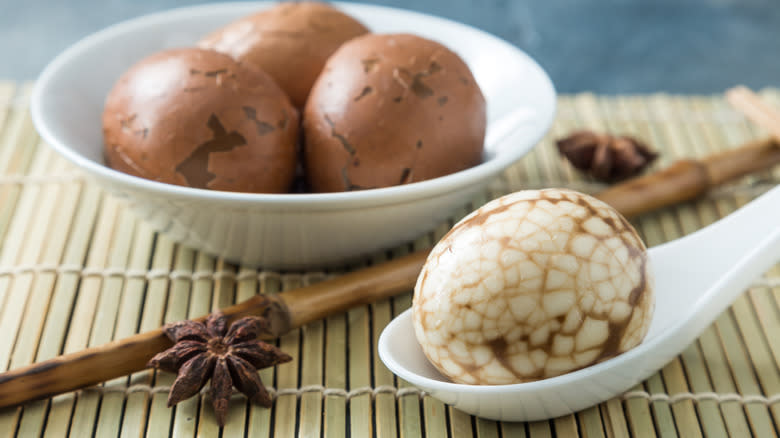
705	271
736	238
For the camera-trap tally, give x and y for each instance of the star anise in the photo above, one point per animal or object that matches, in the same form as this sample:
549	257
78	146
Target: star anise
605	157
229	357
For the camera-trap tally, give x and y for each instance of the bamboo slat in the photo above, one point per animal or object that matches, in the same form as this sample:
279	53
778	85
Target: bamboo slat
359	360
18	144
176	309
734	416
312	357
637	411
335	409
37	289
7	91
145	304
517	430
671	134
539	429
287	378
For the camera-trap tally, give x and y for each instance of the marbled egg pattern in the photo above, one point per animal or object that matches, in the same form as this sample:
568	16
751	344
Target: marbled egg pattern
533	285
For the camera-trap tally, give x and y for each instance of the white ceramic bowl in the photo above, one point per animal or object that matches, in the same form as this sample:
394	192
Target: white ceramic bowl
289	231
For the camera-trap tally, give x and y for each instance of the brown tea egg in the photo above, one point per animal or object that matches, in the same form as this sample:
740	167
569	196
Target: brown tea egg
533	285
388	110
198	118
290	41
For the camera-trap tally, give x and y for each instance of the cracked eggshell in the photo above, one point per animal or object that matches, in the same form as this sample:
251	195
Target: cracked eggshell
391	109
533	285
198	118
290	41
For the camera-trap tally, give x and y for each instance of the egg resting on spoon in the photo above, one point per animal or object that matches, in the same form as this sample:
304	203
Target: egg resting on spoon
533	285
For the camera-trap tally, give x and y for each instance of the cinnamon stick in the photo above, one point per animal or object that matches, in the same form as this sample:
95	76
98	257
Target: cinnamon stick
682	181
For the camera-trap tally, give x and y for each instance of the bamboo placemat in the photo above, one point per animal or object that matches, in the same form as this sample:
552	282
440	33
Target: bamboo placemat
77	269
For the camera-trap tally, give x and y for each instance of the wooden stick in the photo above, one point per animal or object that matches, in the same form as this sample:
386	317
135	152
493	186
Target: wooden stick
685	180
285	311
682	181
755	109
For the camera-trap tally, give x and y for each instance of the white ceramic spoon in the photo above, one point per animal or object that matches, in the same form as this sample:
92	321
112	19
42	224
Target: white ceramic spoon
696	278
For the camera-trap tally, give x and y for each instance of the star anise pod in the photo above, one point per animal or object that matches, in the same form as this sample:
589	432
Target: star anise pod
605	157
229	357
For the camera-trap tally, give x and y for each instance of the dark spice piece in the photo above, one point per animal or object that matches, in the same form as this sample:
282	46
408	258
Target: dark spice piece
605	157
229	357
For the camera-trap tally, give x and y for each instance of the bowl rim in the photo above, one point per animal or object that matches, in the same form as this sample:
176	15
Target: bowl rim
385	195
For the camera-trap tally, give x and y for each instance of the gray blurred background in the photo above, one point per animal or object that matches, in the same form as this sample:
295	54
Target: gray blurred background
605	46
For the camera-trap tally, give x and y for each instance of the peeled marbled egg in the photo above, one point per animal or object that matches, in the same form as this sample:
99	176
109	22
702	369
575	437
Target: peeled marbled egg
198	118
532	285
291	41
391	109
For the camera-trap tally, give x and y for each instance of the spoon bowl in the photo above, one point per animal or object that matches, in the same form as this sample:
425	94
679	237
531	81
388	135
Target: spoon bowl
696	278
